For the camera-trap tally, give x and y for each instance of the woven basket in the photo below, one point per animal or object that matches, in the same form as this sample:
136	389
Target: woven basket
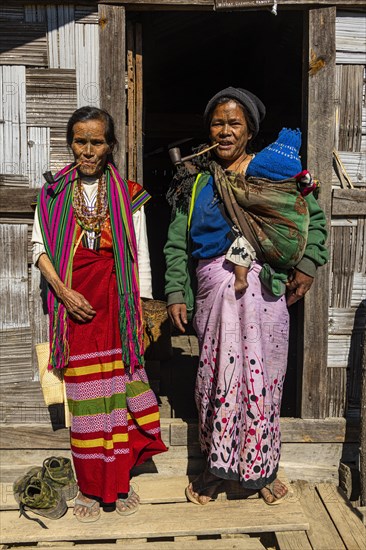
157	331
51	380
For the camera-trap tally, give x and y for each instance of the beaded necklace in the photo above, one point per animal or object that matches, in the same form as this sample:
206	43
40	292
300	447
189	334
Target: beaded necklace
91	219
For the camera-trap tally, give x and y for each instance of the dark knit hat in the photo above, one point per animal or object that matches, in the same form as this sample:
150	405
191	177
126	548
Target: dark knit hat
280	160
251	102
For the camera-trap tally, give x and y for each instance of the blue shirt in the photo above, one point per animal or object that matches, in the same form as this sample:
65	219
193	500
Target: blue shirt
210	232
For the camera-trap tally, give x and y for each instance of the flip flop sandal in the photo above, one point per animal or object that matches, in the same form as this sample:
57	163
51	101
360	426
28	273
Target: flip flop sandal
126	501
89	506
270	488
205	485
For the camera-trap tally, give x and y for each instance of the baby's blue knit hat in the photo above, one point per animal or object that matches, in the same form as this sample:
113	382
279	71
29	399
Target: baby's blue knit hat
280	160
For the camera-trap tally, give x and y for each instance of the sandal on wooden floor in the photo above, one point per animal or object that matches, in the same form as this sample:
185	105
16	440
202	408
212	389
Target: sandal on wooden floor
203	489
89	517
270	497
130	504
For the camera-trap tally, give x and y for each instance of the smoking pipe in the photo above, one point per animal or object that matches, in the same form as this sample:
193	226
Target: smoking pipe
48	176
176	157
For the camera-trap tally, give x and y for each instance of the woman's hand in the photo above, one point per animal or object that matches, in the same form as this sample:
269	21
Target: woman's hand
76	304
178	316
297	286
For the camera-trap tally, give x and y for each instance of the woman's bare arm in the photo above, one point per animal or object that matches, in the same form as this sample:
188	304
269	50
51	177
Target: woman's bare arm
75	303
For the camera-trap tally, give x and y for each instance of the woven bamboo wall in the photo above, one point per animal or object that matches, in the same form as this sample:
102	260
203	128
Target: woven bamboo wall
347	315
49	66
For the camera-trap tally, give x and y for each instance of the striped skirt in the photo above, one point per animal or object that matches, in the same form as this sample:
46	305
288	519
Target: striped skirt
114	414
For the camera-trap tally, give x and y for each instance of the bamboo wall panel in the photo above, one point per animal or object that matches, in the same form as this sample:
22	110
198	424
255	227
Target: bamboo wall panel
87	68
11	13
13	180
358	290
86	14
16	356
38	314
350	37
349	90
23	44
22	402
13	134
336	391
355	164
14	310
38	154
338	350
51	97
45	89
61	36
343	243
35	13
345	321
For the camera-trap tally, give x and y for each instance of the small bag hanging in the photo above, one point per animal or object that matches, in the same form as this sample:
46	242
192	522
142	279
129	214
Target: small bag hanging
157	331
52	381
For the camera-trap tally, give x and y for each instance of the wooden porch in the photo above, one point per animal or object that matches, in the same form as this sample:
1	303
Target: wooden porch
316	515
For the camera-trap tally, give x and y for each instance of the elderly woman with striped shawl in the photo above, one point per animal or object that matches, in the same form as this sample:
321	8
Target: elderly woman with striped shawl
90	244
243	335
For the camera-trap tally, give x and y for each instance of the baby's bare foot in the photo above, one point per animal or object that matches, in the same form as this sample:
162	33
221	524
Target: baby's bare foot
241	284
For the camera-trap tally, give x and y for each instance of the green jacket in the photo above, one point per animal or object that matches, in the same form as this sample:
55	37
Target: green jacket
180	279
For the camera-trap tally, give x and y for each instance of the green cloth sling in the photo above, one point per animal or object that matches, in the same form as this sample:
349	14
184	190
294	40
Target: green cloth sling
273	217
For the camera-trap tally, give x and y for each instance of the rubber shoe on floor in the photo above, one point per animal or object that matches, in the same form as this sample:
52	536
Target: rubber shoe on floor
21	483
58	472
39	497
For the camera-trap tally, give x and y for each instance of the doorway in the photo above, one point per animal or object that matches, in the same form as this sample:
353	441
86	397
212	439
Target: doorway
187	58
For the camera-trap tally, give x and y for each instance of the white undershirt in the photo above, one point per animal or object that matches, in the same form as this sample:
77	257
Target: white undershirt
90	188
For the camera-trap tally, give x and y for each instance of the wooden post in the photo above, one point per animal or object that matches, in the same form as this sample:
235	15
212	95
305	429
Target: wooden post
131	102
112	48
139	105
319	56
363	425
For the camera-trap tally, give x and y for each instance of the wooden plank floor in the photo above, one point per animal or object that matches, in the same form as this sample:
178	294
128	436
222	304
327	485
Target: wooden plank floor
161	520
152	489
209	544
313	517
334	523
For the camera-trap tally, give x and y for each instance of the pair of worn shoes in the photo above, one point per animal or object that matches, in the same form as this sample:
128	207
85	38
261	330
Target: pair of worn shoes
45	489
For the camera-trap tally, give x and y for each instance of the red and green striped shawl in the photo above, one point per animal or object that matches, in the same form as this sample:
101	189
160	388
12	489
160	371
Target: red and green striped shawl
59	228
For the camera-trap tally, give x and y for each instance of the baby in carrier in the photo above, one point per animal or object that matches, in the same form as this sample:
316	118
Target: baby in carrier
277	163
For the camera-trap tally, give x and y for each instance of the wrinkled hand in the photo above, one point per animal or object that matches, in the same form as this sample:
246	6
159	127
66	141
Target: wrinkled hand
178	316
76	305
297	286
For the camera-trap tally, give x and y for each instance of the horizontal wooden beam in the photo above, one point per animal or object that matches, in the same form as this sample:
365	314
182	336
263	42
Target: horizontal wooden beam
228	5
163	3
349	202
293	430
14	200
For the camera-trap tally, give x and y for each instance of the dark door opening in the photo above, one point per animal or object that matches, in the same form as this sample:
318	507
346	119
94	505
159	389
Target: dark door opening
187	58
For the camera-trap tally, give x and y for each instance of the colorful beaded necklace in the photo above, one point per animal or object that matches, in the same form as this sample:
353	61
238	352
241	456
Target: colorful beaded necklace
91	219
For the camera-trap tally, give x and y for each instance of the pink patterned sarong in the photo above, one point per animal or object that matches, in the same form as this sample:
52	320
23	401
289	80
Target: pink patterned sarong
243	358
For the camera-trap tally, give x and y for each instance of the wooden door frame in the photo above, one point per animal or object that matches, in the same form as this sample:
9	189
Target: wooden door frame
318	124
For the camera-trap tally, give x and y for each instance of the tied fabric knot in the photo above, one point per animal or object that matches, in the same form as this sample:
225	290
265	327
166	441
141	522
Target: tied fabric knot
307	184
